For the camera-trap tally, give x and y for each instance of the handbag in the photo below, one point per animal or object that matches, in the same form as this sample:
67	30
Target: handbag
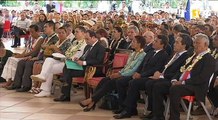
109	102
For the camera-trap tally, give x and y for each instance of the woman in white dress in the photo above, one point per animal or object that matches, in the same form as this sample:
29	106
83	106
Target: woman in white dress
30	52
52	66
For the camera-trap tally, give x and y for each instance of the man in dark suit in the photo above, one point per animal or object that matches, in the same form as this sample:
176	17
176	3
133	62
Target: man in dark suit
154	86
194	76
153	61
50	7
93	55
149	36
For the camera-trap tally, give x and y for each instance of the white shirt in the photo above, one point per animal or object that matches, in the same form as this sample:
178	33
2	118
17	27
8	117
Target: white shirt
84	62
71	36
23	23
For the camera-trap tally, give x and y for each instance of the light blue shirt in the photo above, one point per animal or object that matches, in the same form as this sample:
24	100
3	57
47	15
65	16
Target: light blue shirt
133	63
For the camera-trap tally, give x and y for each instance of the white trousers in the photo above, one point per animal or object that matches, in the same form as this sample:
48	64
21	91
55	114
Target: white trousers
10	68
50	67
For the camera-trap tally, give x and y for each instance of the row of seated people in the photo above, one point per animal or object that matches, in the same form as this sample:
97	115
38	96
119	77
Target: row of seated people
182	75
93	54
24	62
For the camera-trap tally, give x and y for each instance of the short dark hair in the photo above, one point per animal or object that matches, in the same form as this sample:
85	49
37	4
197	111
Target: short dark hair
135	23
120	30
63	28
51	24
35	27
178	28
207	20
81	28
91	33
210	27
185	32
141	40
201	27
67	26
186	40
164	40
166	26
102	32
164	32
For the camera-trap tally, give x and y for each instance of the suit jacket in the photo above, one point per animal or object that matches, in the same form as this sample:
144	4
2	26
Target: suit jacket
95	56
172	69
50	8
121	44
200	76
148	48
153	63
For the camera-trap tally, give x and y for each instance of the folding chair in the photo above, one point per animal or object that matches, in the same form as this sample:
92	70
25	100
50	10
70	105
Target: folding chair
190	99
120	60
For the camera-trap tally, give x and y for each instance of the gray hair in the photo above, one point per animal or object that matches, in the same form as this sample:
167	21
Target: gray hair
202	37
133	28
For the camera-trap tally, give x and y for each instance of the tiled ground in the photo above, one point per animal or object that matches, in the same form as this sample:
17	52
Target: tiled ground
24	106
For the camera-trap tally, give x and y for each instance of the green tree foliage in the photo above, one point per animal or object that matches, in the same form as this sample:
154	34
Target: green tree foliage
94	3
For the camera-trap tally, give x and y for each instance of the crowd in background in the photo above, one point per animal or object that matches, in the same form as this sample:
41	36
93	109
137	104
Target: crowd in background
84	36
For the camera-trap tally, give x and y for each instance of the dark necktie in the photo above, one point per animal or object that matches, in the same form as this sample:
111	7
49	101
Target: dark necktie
83	57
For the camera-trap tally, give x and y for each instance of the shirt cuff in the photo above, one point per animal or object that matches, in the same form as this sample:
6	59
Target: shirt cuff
173	80
161	76
84	63
183	82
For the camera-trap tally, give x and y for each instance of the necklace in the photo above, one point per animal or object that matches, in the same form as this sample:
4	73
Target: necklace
214	54
190	67
74	48
132	59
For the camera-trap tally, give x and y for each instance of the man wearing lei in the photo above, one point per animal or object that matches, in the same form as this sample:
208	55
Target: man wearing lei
194	76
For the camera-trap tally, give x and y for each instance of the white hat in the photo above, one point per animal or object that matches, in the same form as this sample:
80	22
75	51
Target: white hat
89	22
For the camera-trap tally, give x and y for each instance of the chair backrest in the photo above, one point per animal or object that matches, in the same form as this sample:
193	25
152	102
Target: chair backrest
7	25
106	59
124	51
120	60
211	78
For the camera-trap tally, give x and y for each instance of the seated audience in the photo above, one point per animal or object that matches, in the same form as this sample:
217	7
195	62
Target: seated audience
194	76
156	88
20	28
93	54
22	74
52	66
108	84
153	61
118	41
